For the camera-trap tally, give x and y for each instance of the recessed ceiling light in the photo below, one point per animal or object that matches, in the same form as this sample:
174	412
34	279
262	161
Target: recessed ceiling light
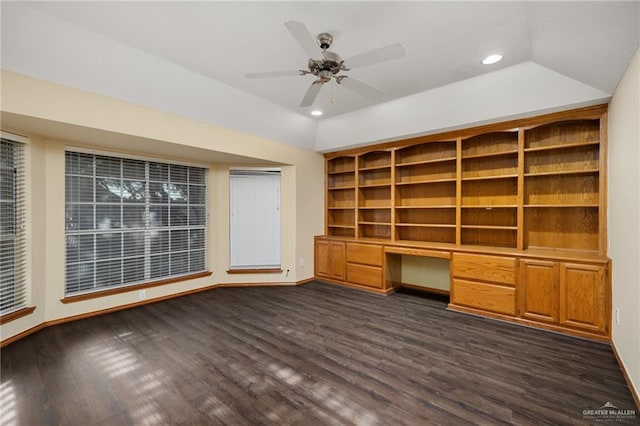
492	59
316	112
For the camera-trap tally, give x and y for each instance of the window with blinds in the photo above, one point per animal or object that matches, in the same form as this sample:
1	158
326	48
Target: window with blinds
13	226
130	221
255	219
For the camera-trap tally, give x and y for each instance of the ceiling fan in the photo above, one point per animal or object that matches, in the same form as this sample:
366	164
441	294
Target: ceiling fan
331	63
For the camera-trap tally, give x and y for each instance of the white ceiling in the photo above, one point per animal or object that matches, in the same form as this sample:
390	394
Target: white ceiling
206	48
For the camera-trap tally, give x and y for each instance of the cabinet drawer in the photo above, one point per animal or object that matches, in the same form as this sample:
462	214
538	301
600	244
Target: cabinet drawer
488	297
495	269
364	275
364	254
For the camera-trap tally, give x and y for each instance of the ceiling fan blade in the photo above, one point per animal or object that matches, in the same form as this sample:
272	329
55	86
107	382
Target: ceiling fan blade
311	94
272	74
304	38
359	87
381	54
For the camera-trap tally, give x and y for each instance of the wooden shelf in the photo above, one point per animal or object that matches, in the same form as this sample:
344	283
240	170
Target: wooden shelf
563	146
374	230
498	227
489	167
340	172
426	182
374	160
489	237
563	172
560	206
490	154
428	225
417	163
562	133
490	206
490	145
562	227
366	169
337	188
375	185
374	215
341	165
341	208
481	192
342	226
422	234
341	232
427	153
489	177
374	223
442	206
567	189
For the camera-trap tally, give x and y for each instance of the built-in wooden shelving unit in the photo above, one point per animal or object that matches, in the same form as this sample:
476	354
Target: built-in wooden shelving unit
533	185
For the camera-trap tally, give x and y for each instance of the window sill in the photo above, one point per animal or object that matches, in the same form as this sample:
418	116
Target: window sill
119	290
16	314
254	271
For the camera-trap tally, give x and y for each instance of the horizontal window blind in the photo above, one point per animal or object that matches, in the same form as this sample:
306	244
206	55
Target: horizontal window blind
130	221
255	219
13	226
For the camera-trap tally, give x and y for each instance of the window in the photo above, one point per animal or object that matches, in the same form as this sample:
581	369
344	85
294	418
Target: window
255	219
130	221
13	225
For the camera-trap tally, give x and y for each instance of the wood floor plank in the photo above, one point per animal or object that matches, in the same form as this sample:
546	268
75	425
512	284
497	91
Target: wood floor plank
317	354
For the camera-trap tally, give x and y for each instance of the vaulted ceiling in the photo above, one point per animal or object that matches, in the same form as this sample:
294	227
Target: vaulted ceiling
190	58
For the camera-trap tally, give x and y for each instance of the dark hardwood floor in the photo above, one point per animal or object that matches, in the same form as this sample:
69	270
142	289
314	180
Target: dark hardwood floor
311	355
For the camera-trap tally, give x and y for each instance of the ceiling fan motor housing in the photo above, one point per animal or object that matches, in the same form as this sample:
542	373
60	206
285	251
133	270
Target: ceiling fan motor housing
325	40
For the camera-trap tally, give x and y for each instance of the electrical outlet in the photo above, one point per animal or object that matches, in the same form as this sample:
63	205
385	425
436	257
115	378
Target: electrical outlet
142	294
618	316
301	262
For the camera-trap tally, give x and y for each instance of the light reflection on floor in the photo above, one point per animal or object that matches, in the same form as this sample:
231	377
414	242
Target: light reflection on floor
340	408
7	404
215	408
124	367
139	389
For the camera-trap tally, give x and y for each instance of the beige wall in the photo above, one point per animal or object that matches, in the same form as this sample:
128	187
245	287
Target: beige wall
54	117
426	272
624	217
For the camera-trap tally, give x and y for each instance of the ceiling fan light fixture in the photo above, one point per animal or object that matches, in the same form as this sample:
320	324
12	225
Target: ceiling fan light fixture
316	113
492	59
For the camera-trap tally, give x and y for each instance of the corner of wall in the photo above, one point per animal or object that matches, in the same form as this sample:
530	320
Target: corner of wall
624	222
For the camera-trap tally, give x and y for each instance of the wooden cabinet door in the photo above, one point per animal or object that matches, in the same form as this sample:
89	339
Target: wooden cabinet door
583	297
323	265
338	260
539	290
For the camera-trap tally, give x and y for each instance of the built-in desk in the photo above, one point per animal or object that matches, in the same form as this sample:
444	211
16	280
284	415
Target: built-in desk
557	290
